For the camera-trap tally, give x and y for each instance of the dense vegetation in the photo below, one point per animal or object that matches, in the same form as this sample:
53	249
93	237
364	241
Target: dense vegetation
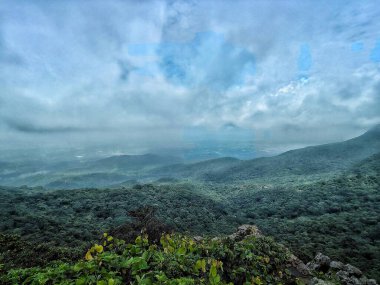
69	217
339	216
337	213
175	259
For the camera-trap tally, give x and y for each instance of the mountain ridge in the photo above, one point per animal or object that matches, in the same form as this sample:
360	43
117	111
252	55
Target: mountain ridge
114	170
332	157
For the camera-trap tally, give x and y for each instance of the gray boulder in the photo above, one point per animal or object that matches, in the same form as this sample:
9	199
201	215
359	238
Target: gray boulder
336	265
316	281
354	281
366	281
352	270
319	263
198	238
342	276
297	268
244	231
348	278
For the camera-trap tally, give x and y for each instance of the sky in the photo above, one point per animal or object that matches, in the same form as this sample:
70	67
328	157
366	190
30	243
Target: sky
138	75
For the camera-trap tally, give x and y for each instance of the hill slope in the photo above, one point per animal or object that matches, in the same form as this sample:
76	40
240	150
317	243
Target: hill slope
334	157
126	163
339	216
120	170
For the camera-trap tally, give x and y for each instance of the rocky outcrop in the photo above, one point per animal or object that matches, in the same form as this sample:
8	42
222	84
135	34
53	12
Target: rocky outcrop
333	270
336	265
245	231
198	238
320	263
352	270
316	281
297	268
295	265
346	274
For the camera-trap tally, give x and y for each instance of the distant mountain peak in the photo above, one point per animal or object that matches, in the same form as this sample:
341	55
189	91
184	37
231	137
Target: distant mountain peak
375	128
374	131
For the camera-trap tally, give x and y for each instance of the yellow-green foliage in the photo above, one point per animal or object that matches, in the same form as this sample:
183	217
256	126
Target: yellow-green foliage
177	259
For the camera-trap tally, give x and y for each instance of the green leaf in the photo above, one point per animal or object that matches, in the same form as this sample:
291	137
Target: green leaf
200	264
78	267
181	250
81	281
213	271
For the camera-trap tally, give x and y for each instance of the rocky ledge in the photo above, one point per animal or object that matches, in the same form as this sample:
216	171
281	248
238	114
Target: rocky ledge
321	265
346	274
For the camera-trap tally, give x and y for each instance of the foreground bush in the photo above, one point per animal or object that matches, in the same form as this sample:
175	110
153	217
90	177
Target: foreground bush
18	253
176	259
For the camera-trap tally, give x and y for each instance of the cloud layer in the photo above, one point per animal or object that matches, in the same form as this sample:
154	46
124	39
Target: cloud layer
147	72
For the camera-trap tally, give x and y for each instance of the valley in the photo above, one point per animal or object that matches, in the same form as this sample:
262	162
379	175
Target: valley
317	199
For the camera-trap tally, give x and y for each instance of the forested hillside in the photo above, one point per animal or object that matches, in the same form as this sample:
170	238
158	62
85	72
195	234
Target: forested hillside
310	163
338	216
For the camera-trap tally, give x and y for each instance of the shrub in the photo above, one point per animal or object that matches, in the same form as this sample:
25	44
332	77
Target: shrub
177	259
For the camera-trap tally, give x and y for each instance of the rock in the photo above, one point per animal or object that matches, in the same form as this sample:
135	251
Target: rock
342	276
295	265
319	263
336	265
345	278
366	281
371	282
352	270
354	281
316	281
322	260
245	231
198	238
297	268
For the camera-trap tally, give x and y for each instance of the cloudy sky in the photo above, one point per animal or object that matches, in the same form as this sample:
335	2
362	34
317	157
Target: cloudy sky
162	73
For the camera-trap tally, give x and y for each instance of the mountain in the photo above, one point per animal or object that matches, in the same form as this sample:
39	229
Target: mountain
368	166
327	159
75	174
198	170
86	180
321	159
132	162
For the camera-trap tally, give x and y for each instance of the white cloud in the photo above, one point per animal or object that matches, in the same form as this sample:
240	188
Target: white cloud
153	69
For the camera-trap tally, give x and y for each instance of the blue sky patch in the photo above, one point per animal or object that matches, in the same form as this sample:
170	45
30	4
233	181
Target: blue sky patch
357	46
304	58
207	60
375	53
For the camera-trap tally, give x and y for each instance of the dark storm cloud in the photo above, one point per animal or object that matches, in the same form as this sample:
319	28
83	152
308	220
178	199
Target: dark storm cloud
26	127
